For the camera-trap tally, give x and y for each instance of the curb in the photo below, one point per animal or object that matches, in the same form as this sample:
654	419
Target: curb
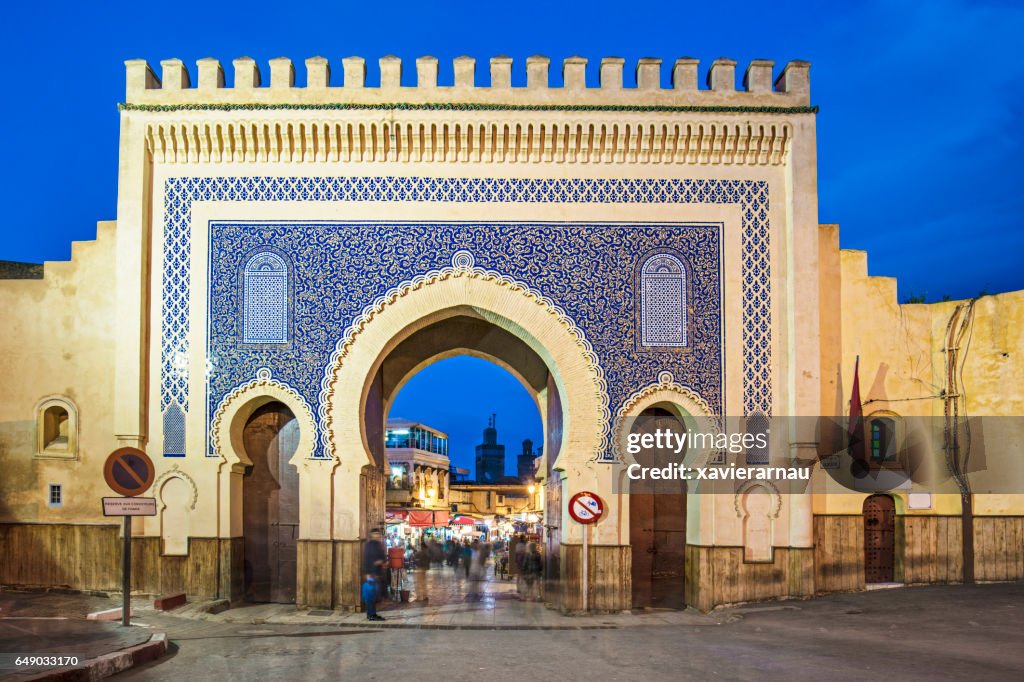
108	664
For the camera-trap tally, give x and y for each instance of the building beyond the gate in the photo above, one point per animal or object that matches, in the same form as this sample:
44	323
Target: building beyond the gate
303	251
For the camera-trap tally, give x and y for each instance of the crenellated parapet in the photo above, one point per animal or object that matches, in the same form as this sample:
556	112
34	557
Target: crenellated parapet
760	87
272	121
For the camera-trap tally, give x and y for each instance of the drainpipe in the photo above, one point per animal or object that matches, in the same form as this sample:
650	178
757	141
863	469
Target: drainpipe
959	322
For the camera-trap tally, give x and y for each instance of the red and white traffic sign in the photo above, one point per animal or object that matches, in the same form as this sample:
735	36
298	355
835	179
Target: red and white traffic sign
586	507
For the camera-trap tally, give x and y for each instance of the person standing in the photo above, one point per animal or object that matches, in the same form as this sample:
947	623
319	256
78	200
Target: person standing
396	569
374	559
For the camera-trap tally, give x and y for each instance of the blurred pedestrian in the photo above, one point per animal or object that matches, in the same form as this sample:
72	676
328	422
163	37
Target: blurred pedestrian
518	557
374	559
467	556
422	566
533	570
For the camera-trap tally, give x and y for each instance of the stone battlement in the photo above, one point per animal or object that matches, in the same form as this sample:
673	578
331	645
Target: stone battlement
790	89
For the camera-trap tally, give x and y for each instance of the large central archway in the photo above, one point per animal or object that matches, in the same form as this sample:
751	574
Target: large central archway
465	310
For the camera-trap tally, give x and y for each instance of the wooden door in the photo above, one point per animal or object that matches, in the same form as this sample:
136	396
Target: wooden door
879	539
657	533
270	505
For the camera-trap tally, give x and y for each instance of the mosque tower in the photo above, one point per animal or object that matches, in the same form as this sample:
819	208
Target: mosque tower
490	455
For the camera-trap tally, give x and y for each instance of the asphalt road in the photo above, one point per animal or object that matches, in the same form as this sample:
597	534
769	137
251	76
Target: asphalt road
922	633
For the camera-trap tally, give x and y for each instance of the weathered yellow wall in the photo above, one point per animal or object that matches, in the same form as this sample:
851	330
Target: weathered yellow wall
58	339
902	368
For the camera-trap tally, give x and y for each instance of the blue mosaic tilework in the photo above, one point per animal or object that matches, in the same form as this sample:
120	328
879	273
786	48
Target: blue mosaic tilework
340	267
750	196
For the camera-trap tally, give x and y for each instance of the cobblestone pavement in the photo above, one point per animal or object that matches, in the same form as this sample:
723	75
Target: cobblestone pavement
55	624
453	602
918	633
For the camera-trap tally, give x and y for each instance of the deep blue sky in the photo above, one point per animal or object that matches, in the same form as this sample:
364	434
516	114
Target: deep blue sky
918	138
919	146
457	396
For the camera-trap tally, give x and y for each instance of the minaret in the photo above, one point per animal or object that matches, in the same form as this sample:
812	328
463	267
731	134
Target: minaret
524	463
490	455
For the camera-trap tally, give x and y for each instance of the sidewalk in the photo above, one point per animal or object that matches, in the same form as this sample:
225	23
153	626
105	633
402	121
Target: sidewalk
54	624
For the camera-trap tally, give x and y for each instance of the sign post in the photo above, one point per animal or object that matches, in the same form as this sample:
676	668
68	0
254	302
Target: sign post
126	574
128	471
586	508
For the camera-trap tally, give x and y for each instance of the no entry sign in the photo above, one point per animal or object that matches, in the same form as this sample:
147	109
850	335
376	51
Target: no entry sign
128	471
586	507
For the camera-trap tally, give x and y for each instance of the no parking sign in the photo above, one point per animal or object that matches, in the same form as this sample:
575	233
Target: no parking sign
586	507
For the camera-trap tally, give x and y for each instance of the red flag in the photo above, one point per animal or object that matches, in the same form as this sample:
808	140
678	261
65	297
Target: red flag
855	428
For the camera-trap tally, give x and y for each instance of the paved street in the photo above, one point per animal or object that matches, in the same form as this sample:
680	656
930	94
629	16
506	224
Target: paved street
944	632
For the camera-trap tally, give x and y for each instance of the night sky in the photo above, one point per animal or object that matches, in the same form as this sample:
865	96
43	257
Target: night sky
918	150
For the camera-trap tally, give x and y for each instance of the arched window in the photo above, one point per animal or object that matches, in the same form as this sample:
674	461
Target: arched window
265	299
758	427
56	428
663	302
174	431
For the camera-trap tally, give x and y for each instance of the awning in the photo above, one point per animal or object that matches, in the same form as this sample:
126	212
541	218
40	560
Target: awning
394	516
420	518
463	520
441	518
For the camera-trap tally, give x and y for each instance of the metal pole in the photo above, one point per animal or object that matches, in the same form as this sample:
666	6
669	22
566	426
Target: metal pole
586	564
126	573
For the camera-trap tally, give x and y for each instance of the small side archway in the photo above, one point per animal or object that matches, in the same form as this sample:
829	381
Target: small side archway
659	516
264	434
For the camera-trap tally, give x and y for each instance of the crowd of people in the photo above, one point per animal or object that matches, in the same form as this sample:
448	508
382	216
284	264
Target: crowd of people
385	568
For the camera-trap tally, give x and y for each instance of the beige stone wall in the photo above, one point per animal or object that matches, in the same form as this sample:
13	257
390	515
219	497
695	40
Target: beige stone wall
58	340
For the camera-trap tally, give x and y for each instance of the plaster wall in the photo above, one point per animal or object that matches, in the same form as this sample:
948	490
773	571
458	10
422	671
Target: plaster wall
903	370
58	340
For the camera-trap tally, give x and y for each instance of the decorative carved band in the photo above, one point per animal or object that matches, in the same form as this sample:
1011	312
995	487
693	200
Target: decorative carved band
524	141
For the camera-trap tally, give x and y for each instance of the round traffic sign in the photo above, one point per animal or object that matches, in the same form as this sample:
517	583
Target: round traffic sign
128	471
586	507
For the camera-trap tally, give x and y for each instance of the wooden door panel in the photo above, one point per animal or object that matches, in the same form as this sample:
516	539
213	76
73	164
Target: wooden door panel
879	539
641	523
669	557
270	506
657	531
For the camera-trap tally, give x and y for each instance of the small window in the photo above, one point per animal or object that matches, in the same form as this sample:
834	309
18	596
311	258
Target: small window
663	302
56	428
55	497
174	431
883	439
